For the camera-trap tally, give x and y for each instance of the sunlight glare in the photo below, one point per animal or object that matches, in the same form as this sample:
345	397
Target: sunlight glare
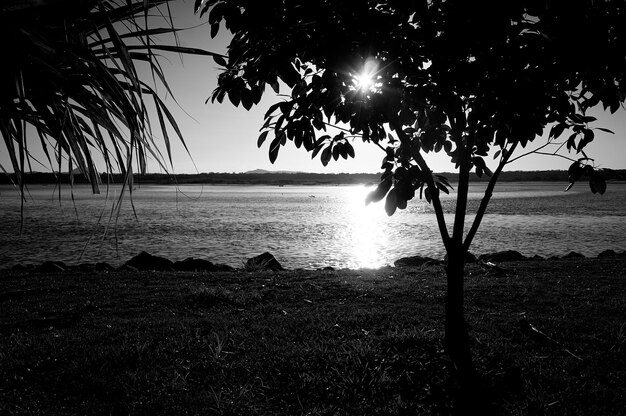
365	80
367	235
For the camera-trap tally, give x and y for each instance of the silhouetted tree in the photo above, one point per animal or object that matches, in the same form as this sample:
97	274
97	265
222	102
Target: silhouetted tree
414	77
69	76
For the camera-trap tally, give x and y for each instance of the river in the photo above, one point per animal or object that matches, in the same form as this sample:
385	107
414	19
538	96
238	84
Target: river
303	226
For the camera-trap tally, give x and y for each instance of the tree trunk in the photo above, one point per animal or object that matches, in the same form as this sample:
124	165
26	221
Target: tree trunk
473	398
456	334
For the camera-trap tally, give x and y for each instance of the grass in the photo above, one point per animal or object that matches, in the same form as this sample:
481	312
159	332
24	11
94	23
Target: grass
350	342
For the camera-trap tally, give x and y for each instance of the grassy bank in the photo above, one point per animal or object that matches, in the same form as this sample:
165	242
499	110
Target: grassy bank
310	342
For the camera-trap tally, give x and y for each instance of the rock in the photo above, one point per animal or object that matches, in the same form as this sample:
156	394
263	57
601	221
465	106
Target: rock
607	253
218	267
146	261
194	265
493	268
83	267
469	258
573	255
501	256
191	264
52	267
265	261
413	261
103	267
22	267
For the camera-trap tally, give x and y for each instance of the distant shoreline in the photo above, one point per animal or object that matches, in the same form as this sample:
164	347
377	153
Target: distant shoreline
280	178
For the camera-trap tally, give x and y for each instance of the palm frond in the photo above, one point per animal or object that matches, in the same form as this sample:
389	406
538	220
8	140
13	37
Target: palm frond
71	76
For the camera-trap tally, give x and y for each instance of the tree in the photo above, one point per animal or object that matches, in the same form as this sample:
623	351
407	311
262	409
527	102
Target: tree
464	78
72	76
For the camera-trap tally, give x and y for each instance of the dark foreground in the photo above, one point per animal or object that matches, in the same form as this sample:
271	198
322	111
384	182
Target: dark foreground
311	342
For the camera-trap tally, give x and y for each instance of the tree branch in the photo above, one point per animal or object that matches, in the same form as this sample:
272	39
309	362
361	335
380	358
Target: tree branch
486	198
537	152
441	221
430	181
465	165
352	134
461	199
544	154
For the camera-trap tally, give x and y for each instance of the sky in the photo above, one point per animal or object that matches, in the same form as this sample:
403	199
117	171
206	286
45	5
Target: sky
222	138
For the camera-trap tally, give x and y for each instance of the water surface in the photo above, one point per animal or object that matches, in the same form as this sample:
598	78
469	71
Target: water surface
303	226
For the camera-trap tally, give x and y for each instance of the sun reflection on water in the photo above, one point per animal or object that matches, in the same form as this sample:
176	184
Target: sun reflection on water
365	232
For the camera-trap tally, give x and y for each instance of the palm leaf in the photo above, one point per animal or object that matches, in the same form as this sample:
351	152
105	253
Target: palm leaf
71	74
138	34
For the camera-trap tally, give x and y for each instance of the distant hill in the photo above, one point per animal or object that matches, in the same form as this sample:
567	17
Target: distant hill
263	177
263	171
258	171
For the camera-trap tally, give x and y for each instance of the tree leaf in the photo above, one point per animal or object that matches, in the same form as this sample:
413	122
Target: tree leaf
481	167
350	149
391	202
271	110
246	99
404	190
336	150
196	5
234	97
588	137
262	138
379	193
442	187
215	28
220	60
286	106
571	141
326	155
427	194
344	151
557	130
574	171
597	183
316	151
297	139
274	148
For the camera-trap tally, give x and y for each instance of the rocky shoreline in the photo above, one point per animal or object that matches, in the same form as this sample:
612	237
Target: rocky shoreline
145	261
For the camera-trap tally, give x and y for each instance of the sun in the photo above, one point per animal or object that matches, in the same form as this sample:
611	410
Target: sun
365	80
